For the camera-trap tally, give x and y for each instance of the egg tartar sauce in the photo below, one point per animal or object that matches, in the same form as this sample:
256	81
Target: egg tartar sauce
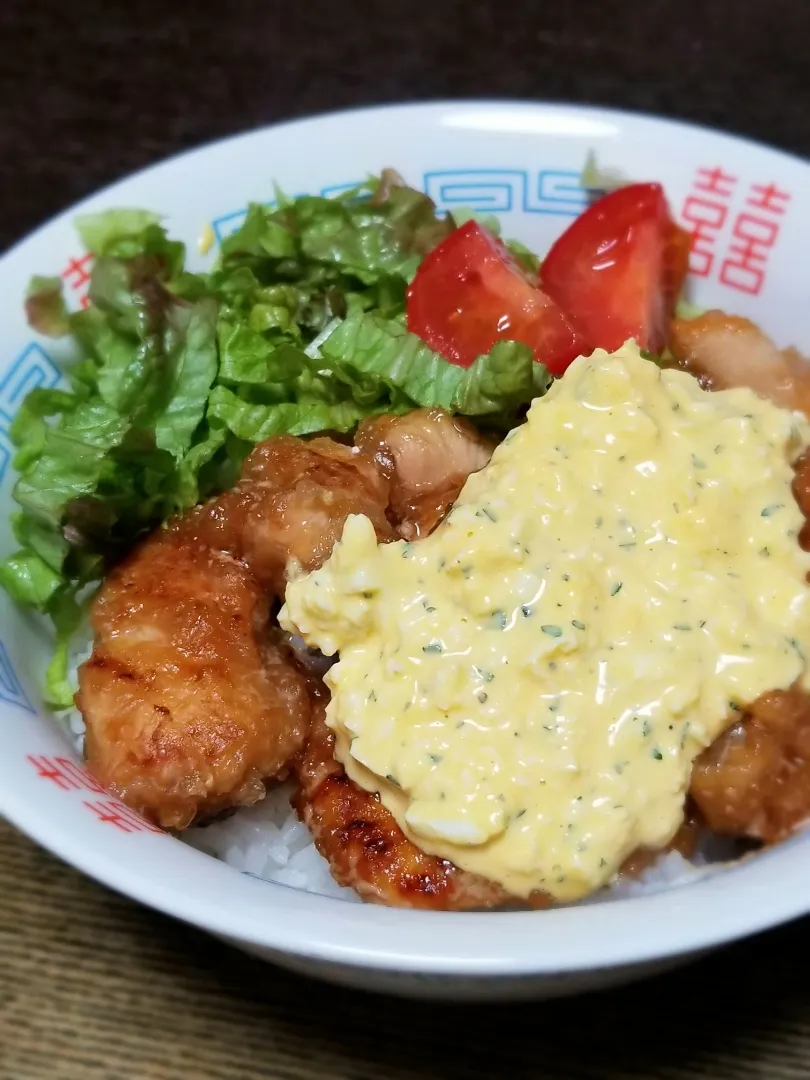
528	686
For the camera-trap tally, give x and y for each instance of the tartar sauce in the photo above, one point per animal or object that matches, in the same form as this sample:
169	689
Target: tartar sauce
528	687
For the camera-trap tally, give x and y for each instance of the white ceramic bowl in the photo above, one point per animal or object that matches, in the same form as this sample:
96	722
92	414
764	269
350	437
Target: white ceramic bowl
751	206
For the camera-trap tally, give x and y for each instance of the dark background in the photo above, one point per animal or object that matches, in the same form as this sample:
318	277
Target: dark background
91	90
93	987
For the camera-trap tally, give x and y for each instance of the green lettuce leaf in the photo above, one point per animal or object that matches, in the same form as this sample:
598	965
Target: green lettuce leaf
261	235
45	540
71	461
500	381
99	233
257	422
194	370
685	309
383	350
28	579
67	614
404	367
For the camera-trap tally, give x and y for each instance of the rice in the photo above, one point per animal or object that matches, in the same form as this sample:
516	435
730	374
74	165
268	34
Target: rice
268	841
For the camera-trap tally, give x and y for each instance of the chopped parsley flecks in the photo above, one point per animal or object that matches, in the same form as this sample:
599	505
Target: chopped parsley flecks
794	644
616	588
487	676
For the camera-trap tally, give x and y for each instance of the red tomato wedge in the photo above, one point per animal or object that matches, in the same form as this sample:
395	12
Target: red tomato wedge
618	269
469	292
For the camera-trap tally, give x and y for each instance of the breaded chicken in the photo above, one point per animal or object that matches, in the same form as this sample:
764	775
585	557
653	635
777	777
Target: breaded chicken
427	455
307	490
367	850
291	503
364	845
754	781
189	705
724	351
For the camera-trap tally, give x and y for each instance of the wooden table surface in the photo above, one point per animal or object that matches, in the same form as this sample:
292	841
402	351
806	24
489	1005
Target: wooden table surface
93	986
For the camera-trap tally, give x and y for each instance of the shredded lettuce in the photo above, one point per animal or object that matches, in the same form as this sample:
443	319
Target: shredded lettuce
599	180
99	233
494	387
685	309
299	328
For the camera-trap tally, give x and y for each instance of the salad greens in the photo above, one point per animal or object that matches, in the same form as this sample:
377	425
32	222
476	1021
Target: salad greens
299	328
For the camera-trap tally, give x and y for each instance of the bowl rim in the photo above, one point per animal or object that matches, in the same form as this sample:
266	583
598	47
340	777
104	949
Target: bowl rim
626	931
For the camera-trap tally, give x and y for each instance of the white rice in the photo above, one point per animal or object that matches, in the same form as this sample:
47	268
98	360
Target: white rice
269	842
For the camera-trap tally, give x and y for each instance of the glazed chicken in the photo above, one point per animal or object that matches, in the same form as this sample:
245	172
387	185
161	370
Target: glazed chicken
364	845
754	781
724	351
427	456
189	705
291	503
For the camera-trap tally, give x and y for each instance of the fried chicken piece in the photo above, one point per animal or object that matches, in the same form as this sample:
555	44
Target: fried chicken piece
367	850
754	781
364	845
291	502
427	456
725	351
189	704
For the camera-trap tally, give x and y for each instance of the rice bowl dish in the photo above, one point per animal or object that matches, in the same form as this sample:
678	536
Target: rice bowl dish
334	426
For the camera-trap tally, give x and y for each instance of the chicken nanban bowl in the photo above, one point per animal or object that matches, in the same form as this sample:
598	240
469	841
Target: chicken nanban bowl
420	569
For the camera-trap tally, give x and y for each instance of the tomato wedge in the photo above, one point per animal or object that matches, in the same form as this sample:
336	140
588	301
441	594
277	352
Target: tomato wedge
619	268
470	292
